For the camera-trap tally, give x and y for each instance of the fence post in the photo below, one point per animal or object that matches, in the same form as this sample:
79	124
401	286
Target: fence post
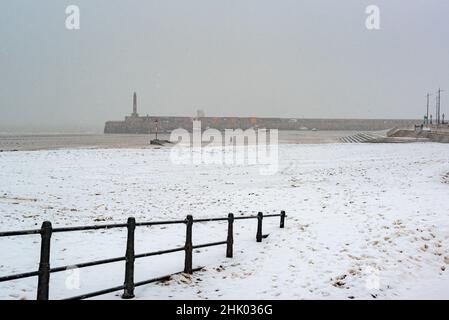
44	263
230	240
282	219
259	227
188	246
129	268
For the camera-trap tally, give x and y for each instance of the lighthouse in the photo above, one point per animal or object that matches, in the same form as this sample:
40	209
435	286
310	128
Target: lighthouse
135	114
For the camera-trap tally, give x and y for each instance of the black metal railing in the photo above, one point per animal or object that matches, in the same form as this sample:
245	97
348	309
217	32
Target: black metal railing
128	286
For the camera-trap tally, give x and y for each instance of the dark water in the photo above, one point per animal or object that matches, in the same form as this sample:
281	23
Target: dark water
10	142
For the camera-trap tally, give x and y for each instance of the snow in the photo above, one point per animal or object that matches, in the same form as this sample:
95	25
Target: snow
364	221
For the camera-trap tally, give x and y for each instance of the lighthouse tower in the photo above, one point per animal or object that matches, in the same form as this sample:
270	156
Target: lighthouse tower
135	114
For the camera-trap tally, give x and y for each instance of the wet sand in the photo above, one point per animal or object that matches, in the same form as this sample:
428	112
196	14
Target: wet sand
24	142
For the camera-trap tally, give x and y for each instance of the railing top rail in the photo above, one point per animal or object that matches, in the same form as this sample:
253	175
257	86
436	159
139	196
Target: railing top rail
271	215
245	217
122	225
85	228
19	276
210	219
155	223
19	233
91	227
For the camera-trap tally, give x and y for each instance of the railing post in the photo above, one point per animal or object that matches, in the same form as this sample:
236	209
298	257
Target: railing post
282	219
44	263
188	246
230	239
129	268
259	227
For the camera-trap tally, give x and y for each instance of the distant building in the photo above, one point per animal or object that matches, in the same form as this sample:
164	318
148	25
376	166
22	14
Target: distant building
200	113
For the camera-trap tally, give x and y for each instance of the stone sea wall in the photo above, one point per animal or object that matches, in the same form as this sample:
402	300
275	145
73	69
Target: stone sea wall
143	125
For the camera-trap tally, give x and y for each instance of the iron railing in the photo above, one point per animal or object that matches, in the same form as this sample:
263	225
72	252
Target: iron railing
46	231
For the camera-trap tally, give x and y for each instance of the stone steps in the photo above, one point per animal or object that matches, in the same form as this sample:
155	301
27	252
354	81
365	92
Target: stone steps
362	137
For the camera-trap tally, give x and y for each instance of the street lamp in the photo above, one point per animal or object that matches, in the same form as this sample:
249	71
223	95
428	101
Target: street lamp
157	126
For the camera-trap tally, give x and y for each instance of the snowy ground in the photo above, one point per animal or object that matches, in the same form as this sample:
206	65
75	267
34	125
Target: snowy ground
364	221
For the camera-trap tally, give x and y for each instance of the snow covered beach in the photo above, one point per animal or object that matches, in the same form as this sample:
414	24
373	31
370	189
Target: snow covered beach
364	221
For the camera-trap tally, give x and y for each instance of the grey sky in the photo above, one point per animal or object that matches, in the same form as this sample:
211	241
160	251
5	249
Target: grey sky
287	58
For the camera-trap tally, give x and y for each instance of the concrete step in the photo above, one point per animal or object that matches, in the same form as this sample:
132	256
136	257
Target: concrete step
361	138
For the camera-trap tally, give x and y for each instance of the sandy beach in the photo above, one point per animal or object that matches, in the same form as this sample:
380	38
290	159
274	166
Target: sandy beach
365	221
